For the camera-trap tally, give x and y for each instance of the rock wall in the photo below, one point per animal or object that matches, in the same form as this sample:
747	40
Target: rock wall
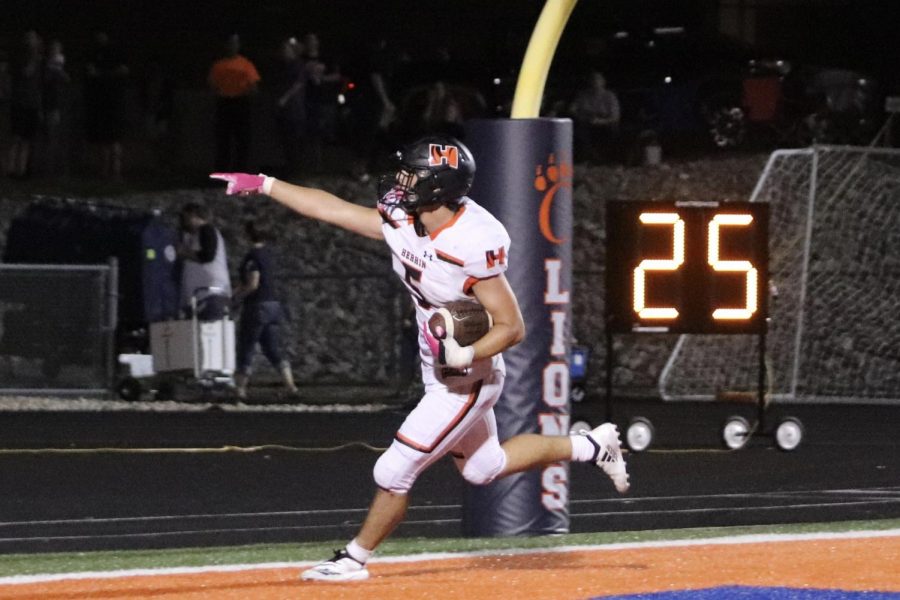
351	321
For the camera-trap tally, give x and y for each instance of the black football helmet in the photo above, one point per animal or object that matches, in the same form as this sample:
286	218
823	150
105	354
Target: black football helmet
432	170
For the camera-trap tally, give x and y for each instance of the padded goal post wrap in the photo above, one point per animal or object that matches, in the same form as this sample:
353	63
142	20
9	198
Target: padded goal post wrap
524	177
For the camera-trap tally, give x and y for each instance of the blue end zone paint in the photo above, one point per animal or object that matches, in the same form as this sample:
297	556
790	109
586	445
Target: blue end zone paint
758	593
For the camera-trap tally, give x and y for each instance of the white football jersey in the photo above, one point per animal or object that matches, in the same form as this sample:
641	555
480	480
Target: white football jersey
442	267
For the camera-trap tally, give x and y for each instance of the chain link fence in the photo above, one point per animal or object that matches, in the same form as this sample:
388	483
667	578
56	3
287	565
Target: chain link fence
57	328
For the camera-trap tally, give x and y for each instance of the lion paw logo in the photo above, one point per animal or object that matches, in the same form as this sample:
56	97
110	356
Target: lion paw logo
549	179
552	173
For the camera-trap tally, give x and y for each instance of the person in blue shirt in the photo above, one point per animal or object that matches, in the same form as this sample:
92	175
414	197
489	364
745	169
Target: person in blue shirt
261	314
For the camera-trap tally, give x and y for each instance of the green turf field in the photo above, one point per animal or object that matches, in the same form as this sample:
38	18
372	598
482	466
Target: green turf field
31	564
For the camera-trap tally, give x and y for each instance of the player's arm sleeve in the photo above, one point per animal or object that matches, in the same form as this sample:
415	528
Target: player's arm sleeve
485	280
487	257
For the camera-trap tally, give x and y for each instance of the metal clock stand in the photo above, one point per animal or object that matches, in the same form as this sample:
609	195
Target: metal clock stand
736	431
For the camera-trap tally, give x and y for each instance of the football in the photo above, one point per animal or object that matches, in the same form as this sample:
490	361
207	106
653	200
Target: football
464	321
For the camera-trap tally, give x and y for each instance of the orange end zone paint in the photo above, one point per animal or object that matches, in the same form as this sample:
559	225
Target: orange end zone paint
856	564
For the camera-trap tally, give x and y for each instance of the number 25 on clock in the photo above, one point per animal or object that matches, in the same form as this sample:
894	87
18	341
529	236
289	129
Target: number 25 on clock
687	267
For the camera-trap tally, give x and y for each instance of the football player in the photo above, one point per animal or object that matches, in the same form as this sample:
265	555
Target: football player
438	238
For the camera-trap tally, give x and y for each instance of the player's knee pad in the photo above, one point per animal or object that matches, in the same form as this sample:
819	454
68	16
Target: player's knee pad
483	467
396	470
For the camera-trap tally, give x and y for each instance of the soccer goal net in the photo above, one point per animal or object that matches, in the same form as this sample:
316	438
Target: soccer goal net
834	245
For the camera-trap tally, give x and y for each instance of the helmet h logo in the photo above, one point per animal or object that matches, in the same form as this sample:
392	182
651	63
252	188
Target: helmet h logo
443	155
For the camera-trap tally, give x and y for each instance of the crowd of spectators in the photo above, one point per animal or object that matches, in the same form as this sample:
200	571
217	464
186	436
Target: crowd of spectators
112	112
36	89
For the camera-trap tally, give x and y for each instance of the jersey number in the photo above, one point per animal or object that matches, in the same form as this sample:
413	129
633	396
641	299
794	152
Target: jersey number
413	279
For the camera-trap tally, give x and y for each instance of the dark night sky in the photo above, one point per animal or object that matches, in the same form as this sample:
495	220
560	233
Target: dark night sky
846	33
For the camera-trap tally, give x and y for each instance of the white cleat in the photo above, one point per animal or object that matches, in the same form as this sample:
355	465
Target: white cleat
341	567
608	454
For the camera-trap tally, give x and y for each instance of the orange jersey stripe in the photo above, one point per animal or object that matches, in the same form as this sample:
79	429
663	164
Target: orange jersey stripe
471	281
449	223
450	259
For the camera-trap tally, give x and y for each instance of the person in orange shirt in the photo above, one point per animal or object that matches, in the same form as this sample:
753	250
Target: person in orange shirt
234	80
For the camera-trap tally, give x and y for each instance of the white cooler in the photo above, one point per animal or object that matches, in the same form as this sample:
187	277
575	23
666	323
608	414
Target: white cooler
189	345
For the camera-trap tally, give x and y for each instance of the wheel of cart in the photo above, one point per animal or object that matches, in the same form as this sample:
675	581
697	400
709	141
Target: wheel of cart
138	371
129	388
789	434
639	434
737	431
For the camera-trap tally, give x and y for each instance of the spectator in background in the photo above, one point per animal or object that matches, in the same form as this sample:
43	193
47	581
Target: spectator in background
25	105
55	103
443	113
234	81
596	114
374	110
321	100
261	312
104	105
5	85
204	268
440	97
290	85
158	103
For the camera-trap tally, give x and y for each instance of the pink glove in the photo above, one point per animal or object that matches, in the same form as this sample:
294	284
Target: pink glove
244	183
433	342
448	351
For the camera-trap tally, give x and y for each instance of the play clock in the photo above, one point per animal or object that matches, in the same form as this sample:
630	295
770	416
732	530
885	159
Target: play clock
687	267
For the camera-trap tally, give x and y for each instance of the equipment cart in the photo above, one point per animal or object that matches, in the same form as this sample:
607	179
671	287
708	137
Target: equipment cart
184	351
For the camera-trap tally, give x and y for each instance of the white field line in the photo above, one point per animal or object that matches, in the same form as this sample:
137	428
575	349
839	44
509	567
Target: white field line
725	540
627	513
